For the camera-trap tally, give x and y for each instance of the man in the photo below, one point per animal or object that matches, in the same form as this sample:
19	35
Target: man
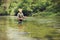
20	16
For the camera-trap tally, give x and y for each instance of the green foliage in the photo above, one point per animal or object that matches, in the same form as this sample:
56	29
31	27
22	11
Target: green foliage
0	2
55	1
2	11
32	6
44	14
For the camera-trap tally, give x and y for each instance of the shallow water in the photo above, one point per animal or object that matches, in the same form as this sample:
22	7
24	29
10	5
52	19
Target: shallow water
11	30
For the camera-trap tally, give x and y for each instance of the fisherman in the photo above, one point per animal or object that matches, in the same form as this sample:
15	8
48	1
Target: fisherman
20	16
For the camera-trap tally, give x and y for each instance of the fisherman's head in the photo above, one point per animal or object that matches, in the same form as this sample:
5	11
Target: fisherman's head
20	10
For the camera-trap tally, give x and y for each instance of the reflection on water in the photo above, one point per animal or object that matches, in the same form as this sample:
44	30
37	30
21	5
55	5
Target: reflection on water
21	27
11	30
3	35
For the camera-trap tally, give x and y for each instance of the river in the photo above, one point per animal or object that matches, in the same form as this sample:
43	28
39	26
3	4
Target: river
11	30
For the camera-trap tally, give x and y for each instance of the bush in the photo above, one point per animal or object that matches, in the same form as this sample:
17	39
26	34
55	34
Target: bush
44	14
